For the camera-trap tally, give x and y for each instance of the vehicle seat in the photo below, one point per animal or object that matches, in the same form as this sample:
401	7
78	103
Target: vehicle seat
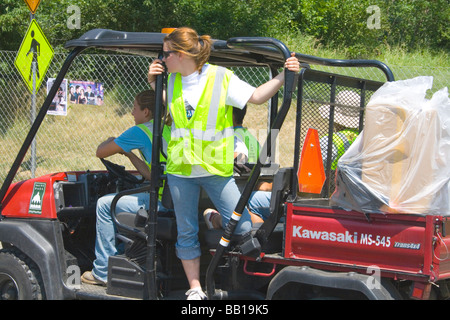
280	190
129	224
166	228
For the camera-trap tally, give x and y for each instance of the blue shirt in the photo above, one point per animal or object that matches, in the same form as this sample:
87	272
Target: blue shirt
135	138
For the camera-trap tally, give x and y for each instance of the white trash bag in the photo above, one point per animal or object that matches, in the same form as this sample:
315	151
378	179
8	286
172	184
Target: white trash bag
400	163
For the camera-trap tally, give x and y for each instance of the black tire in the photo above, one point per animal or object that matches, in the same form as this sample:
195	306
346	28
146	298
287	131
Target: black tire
19	277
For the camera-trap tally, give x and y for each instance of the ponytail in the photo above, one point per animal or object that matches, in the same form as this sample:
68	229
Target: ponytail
187	41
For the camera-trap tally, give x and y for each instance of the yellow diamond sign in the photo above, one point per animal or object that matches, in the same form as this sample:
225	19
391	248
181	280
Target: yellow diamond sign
34	56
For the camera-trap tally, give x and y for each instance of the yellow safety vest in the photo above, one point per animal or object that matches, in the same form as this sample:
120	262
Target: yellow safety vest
165	142
166	138
250	141
207	139
341	142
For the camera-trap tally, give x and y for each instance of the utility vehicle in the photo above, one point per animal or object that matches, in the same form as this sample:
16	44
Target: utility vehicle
47	224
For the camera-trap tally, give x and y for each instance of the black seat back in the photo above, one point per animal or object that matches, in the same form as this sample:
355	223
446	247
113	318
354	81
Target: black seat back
166	198
280	189
132	224
166	228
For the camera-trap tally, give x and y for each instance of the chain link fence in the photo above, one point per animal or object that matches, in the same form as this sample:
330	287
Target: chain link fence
68	142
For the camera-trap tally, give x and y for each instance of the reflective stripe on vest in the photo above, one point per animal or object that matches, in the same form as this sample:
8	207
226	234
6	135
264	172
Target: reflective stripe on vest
207	138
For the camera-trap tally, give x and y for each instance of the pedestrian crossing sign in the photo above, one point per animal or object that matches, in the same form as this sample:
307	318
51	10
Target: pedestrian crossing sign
34	56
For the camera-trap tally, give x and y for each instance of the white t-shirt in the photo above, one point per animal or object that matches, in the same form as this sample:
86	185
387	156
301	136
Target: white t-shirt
239	92
240	147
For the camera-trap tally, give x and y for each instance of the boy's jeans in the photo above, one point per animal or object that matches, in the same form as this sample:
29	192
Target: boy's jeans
105	243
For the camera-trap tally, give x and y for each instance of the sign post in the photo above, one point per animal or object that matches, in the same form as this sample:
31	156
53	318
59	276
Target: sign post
32	61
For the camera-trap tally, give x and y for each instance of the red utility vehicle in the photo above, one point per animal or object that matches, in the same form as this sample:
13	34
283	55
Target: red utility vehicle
306	249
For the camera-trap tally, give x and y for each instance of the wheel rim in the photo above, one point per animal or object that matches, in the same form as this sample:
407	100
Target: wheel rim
8	287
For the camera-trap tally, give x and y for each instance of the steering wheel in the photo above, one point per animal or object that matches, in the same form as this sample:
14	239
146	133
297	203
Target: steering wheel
121	173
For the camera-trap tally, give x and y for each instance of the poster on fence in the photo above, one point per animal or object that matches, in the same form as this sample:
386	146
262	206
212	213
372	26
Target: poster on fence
86	92
59	102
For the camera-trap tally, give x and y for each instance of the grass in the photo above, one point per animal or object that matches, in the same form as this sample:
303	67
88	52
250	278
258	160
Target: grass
67	143
404	63
390	55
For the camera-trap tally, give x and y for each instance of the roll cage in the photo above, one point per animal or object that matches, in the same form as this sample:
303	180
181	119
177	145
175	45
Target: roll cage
238	51
234	52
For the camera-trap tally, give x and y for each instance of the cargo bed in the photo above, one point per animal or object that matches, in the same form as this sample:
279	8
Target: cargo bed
402	246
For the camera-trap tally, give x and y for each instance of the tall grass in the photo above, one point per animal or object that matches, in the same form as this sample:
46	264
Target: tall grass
403	62
398	55
67	143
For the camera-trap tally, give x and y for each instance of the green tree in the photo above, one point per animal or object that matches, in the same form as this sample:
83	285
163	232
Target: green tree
12	26
417	24
410	23
341	24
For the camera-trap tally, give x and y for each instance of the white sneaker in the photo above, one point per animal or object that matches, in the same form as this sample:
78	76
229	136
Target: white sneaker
208	215
195	294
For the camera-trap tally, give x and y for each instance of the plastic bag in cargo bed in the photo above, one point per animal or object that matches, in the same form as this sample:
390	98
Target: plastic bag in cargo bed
400	163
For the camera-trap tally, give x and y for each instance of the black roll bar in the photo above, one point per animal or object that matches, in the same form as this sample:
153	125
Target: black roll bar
150	291
257	45
347	63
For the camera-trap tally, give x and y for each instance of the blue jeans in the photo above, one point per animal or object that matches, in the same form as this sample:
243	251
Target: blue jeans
105	242
259	203
185	192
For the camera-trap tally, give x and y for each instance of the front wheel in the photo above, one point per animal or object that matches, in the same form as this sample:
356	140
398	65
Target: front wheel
19	277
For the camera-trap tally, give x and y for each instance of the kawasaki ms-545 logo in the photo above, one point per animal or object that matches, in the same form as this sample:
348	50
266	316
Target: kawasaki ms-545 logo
343	237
